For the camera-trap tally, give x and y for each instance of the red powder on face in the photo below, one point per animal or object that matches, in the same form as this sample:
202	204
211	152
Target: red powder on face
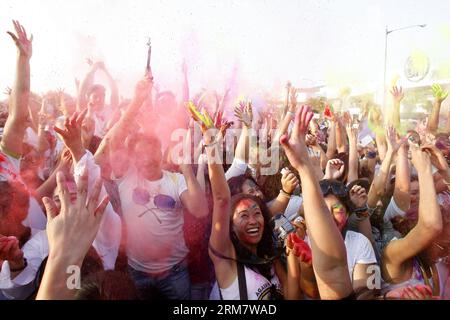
245	204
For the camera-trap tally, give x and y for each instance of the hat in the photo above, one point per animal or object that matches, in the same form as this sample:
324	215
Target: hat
360	182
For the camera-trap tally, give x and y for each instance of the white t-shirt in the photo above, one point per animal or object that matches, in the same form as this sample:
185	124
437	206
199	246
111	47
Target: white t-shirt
258	287
153	246
107	240
237	168
31	138
359	251
391	212
23	285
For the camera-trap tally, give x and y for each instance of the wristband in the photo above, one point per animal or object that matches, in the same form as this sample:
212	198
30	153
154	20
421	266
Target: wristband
211	144
285	193
362	213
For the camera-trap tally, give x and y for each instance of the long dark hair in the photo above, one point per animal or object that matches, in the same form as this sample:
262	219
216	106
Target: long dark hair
265	248
235	183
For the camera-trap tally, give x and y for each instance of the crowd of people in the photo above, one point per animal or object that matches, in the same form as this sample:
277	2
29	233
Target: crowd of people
99	201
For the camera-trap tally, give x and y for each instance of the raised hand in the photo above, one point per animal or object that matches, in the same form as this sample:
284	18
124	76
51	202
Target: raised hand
346	119
417	292
393	143
295	146
293	102
244	113
203	118
65	162
289	181
299	248
72	230
328	113
143	88
439	94
10	249
358	196
311	140
397	94
335	169
71	133
222	124
42	115
352	133
420	159
23	43
436	156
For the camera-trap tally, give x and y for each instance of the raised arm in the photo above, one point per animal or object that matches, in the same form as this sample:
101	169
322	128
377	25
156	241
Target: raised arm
328	249
71	232
288	184
288	117
353	160
397	97
341	140
220	233
43	144
429	224
245	115
378	186
194	198
331	143
114	99
439	96
86	83
115	137
402	197
17	122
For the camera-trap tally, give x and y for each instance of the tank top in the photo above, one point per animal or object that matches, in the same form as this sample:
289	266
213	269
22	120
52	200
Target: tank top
258	287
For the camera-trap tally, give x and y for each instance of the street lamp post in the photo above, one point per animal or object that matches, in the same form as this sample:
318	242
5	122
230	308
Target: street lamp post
387	32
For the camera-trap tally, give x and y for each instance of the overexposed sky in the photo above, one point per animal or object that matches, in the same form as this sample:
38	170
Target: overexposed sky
270	42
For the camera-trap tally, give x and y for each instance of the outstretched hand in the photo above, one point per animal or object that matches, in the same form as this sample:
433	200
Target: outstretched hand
295	146
397	94
221	123
73	228
293	100
358	196
299	248
23	43
71	133
10	249
244	113
203	117
393	142
436	156
335	169
439	94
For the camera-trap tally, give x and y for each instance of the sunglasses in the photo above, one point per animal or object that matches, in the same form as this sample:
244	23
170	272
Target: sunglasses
160	201
334	187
